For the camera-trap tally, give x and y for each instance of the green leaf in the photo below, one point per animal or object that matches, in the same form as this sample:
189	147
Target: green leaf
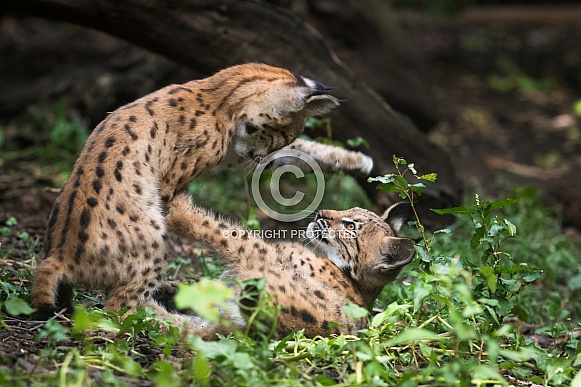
511	228
201	369
523	354
11	222
477	236
325	381
413	334
81	321
473	209
391	309
485	373
488	272
576	382
399	160
214	349
165	375
424	254
354	311
429	177
241	361
385	179
502	203
417	188
17	306
357	141
204	298
53	330
131	366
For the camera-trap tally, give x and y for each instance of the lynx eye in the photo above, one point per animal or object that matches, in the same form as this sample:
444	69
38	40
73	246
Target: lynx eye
348	225
251	129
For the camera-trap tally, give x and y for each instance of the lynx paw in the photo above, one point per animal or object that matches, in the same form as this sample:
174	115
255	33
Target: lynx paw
178	210
180	203
365	165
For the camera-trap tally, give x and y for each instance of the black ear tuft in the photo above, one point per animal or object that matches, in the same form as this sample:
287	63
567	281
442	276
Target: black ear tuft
397	215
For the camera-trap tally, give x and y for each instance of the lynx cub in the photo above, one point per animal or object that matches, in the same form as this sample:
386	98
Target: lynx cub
361	255
107	229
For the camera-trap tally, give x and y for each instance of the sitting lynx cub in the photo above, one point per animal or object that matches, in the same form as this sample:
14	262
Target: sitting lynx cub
362	255
107	229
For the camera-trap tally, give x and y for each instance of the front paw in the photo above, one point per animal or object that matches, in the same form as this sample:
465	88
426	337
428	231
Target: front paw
179	204
364	165
179	210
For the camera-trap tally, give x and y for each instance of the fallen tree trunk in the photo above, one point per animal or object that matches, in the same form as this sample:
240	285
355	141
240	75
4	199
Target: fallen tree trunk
212	34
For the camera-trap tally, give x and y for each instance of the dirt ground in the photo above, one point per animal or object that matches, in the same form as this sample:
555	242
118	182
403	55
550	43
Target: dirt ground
506	93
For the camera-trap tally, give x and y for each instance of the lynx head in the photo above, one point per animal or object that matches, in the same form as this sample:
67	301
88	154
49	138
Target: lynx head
270	107
364	245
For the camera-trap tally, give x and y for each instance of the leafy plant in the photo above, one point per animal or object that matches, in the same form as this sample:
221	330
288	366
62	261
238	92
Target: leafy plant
453	318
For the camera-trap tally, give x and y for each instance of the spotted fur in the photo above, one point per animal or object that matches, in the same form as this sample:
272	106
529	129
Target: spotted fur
361	254
107	229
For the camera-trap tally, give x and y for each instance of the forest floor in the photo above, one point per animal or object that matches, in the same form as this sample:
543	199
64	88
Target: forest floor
506	93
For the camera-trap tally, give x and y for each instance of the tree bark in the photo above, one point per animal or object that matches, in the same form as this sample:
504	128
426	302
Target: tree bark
212	34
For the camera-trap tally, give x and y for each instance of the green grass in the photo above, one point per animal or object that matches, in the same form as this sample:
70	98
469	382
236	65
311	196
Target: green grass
454	317
450	320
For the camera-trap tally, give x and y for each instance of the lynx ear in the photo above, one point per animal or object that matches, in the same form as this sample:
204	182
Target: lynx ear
395	253
397	215
317	100
320	104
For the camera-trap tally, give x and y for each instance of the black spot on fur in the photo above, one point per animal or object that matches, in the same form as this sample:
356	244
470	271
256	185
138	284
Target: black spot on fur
131	133
117	172
307	317
294	312
120	208
83	236
102	157
109	142
85	219
100	172
79	253
153	130
97	186
148	107
193	123
92	202
126	151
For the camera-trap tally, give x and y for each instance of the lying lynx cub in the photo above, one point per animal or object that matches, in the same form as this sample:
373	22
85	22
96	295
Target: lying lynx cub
362	255
107	229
